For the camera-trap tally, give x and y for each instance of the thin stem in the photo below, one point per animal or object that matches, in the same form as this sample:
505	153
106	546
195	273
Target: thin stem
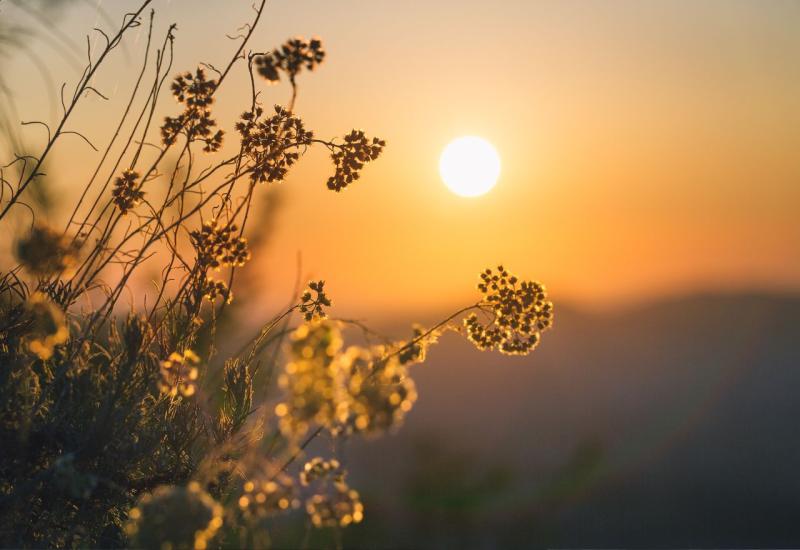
82	86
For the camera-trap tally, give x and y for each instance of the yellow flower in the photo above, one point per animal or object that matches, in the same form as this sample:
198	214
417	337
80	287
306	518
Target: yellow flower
339	506
179	374
268	497
312	380
48	327
380	391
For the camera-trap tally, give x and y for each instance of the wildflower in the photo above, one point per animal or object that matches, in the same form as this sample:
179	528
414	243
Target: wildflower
311	305
126	194
380	391
333	503
195	122
46	252
319	468
48	327
339	506
179	374
350	157
196	125
295	54
174	517
217	245
520	312
312	380
194	90
211	289
262	499
272	143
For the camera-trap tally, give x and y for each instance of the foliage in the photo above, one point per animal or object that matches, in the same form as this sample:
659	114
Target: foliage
117	427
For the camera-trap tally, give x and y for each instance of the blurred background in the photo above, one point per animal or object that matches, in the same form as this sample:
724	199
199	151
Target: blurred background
650	178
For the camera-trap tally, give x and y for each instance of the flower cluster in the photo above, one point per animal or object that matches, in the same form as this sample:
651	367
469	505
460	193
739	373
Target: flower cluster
359	390
312	380
46	252
210	289
311	304
262	499
318	468
195	122
217	245
126	194
194	90
334	503
174	517
295	54
379	389
340	506
350	157
520	312
179	374
271	143
48	326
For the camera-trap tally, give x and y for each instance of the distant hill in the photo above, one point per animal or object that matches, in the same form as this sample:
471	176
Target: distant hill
672	424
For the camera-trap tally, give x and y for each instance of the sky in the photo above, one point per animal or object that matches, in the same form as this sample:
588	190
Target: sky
648	149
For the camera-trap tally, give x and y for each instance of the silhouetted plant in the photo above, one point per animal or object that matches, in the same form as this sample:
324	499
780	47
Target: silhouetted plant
116	428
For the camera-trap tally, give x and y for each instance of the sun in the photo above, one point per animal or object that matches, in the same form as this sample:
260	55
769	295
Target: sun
469	166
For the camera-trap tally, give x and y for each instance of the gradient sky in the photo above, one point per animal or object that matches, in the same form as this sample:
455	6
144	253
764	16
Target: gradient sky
648	148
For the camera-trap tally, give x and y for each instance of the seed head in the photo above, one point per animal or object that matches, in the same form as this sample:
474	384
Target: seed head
350	157
520	312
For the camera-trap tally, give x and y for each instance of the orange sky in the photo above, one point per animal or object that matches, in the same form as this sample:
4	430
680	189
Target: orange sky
647	148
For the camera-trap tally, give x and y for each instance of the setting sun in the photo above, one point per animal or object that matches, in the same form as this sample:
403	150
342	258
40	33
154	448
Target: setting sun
469	166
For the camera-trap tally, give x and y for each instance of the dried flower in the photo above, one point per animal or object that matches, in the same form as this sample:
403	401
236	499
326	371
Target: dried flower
46	252
339	506
350	157
333	502
272	143
267	498
217	245
194	90
318	468
520	312
380	391
212	289
195	121
175	517
312	380
311	304
179	374
295	54
126	194
48	327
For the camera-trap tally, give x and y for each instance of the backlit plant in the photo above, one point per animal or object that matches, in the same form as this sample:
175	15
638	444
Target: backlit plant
124	427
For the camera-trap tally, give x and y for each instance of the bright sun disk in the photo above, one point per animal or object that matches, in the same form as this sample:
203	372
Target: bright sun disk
469	166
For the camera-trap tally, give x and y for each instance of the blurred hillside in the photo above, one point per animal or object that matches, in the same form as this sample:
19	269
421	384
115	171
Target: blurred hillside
673	424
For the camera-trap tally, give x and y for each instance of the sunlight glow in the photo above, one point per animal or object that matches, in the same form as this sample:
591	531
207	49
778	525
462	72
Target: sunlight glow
469	166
